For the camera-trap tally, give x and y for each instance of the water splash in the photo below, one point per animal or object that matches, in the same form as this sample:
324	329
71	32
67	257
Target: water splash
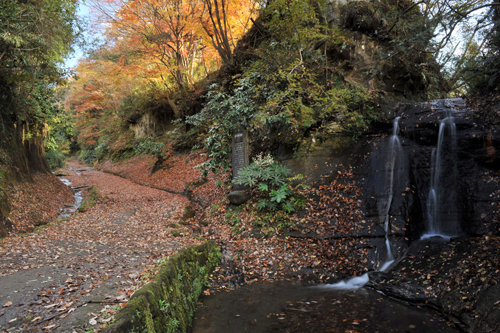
353	283
70	209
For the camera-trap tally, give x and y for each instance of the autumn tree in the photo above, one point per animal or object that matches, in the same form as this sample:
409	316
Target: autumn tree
106	79
167	30
183	36
225	19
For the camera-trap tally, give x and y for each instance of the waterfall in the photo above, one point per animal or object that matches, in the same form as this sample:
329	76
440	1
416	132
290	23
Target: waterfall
442	219
394	166
393	170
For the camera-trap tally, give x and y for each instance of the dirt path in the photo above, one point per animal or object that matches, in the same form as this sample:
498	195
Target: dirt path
61	277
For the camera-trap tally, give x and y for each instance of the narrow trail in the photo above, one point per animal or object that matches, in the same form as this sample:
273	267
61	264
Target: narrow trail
60	277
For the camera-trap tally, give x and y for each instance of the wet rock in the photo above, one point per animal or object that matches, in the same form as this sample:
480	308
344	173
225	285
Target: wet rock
398	289
456	277
238	197
189	212
488	309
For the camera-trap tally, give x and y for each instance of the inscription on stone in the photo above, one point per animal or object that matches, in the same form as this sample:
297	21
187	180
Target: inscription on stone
240	154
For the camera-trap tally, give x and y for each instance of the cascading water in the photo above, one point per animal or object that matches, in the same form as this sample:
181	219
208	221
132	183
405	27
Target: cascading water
393	170
441	201
67	210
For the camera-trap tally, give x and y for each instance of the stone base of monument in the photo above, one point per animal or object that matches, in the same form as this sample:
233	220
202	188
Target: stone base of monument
238	197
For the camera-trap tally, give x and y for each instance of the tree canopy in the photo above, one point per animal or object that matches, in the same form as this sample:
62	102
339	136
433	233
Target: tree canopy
35	38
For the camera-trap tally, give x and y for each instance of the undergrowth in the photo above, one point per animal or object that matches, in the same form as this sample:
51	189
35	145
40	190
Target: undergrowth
93	198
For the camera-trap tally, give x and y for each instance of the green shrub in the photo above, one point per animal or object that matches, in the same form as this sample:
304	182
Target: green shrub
55	159
149	146
270	180
88	155
102	148
224	112
291	88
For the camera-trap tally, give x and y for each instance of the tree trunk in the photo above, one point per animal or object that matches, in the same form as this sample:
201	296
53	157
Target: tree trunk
174	107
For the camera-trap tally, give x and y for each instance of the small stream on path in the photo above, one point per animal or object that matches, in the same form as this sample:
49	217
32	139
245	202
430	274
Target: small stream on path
67	210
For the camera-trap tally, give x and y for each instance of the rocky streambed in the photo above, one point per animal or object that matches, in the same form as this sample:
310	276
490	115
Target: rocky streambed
459	278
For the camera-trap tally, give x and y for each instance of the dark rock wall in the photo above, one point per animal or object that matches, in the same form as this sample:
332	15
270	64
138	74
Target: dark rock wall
24	158
469	183
470	177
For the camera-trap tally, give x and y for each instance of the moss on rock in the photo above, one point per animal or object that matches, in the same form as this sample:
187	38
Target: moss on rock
168	303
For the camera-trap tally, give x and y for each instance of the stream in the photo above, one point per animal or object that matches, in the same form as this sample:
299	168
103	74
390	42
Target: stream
291	307
67	210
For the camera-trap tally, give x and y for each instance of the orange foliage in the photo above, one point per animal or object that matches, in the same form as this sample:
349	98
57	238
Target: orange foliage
154	47
178	35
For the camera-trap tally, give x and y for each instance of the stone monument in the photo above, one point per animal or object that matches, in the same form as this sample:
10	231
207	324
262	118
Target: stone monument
240	160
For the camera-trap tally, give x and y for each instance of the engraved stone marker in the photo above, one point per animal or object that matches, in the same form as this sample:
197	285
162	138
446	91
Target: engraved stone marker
240	154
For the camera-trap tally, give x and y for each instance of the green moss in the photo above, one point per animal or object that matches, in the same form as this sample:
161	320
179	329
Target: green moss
205	223
176	233
91	201
189	212
179	284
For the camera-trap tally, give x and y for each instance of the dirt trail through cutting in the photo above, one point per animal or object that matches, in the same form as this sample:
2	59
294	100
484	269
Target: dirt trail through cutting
62	277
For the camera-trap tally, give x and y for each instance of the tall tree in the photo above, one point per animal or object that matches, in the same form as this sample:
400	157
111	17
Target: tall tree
182	35
105	80
168	31
35	37
225	19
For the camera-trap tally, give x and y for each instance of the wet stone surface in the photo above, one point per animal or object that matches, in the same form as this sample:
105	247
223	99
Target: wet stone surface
67	210
287	307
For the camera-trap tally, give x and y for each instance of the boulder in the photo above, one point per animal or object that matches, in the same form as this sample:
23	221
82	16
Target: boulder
238	197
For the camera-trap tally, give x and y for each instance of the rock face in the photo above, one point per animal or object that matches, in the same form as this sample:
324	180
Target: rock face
445	181
468	180
25	180
457	277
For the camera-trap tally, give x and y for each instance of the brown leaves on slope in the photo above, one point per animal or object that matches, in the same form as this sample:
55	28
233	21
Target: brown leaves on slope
38	202
173	175
333	208
265	252
178	174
